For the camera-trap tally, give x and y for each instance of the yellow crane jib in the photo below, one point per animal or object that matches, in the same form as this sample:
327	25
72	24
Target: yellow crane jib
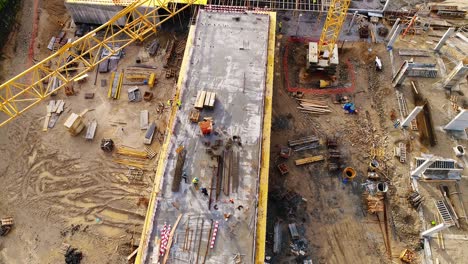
323	55
75	59
331	29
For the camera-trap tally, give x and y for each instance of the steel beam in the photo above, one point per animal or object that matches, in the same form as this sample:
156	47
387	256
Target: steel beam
411	116
394	27
394	36
444	38
428	233
458	74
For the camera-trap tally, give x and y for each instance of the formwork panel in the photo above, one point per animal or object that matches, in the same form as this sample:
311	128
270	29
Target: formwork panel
93	13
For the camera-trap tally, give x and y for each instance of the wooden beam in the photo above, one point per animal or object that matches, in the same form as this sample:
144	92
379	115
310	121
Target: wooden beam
171	235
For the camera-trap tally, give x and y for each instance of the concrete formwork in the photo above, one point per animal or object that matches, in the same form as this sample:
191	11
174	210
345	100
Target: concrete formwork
93	12
228	56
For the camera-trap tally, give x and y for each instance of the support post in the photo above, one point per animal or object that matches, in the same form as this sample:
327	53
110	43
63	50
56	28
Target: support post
428	233
403	71
394	37
394	27
351	24
458	123
458	74
444	38
385	6
411	116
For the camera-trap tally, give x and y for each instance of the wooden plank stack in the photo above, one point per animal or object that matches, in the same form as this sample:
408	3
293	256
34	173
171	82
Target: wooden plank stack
308	160
205	99
200	100
313	106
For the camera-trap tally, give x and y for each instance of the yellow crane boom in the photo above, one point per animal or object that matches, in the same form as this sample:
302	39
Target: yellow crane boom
75	59
331	29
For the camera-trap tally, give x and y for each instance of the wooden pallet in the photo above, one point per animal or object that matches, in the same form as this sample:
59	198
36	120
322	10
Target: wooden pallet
402	147
194	116
151	153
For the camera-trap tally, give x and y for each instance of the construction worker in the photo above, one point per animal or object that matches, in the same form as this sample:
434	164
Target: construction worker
280	26
169	102
184	176
179	104
195	181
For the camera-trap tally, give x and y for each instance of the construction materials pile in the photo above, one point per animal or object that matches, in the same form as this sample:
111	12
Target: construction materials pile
304	143
5	225
134	158
316	106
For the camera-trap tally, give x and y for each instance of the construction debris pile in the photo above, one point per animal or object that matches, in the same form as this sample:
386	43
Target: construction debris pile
73	256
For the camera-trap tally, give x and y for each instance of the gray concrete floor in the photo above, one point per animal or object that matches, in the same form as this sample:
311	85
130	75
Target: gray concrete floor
310	25
228	57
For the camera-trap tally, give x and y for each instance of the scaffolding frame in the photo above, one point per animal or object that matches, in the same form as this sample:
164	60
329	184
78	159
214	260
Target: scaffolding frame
292	5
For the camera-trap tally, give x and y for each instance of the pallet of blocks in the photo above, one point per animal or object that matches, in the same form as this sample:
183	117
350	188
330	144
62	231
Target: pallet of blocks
194	115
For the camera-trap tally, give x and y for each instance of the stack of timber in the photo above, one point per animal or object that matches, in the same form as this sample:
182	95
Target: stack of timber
308	160
54	109
115	85
304	143
132	163
313	106
375	203
205	99
91	131
142	154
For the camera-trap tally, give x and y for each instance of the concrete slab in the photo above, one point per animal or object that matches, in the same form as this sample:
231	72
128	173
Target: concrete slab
228	57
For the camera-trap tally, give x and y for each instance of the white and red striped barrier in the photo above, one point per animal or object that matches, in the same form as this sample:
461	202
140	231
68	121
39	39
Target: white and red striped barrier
165	231
215	232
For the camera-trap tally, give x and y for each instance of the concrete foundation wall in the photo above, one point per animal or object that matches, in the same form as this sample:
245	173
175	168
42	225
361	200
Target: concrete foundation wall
93	13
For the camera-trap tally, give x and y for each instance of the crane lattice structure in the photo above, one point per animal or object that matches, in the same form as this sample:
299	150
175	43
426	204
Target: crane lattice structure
75	59
331	29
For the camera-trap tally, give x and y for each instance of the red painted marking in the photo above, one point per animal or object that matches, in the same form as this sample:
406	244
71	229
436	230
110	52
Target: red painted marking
34	33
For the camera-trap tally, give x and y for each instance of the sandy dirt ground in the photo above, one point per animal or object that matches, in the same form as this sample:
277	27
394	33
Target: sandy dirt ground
335	220
64	189
332	214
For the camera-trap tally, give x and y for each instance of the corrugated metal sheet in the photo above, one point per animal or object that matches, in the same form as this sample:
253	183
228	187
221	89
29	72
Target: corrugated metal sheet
101	11
92	13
